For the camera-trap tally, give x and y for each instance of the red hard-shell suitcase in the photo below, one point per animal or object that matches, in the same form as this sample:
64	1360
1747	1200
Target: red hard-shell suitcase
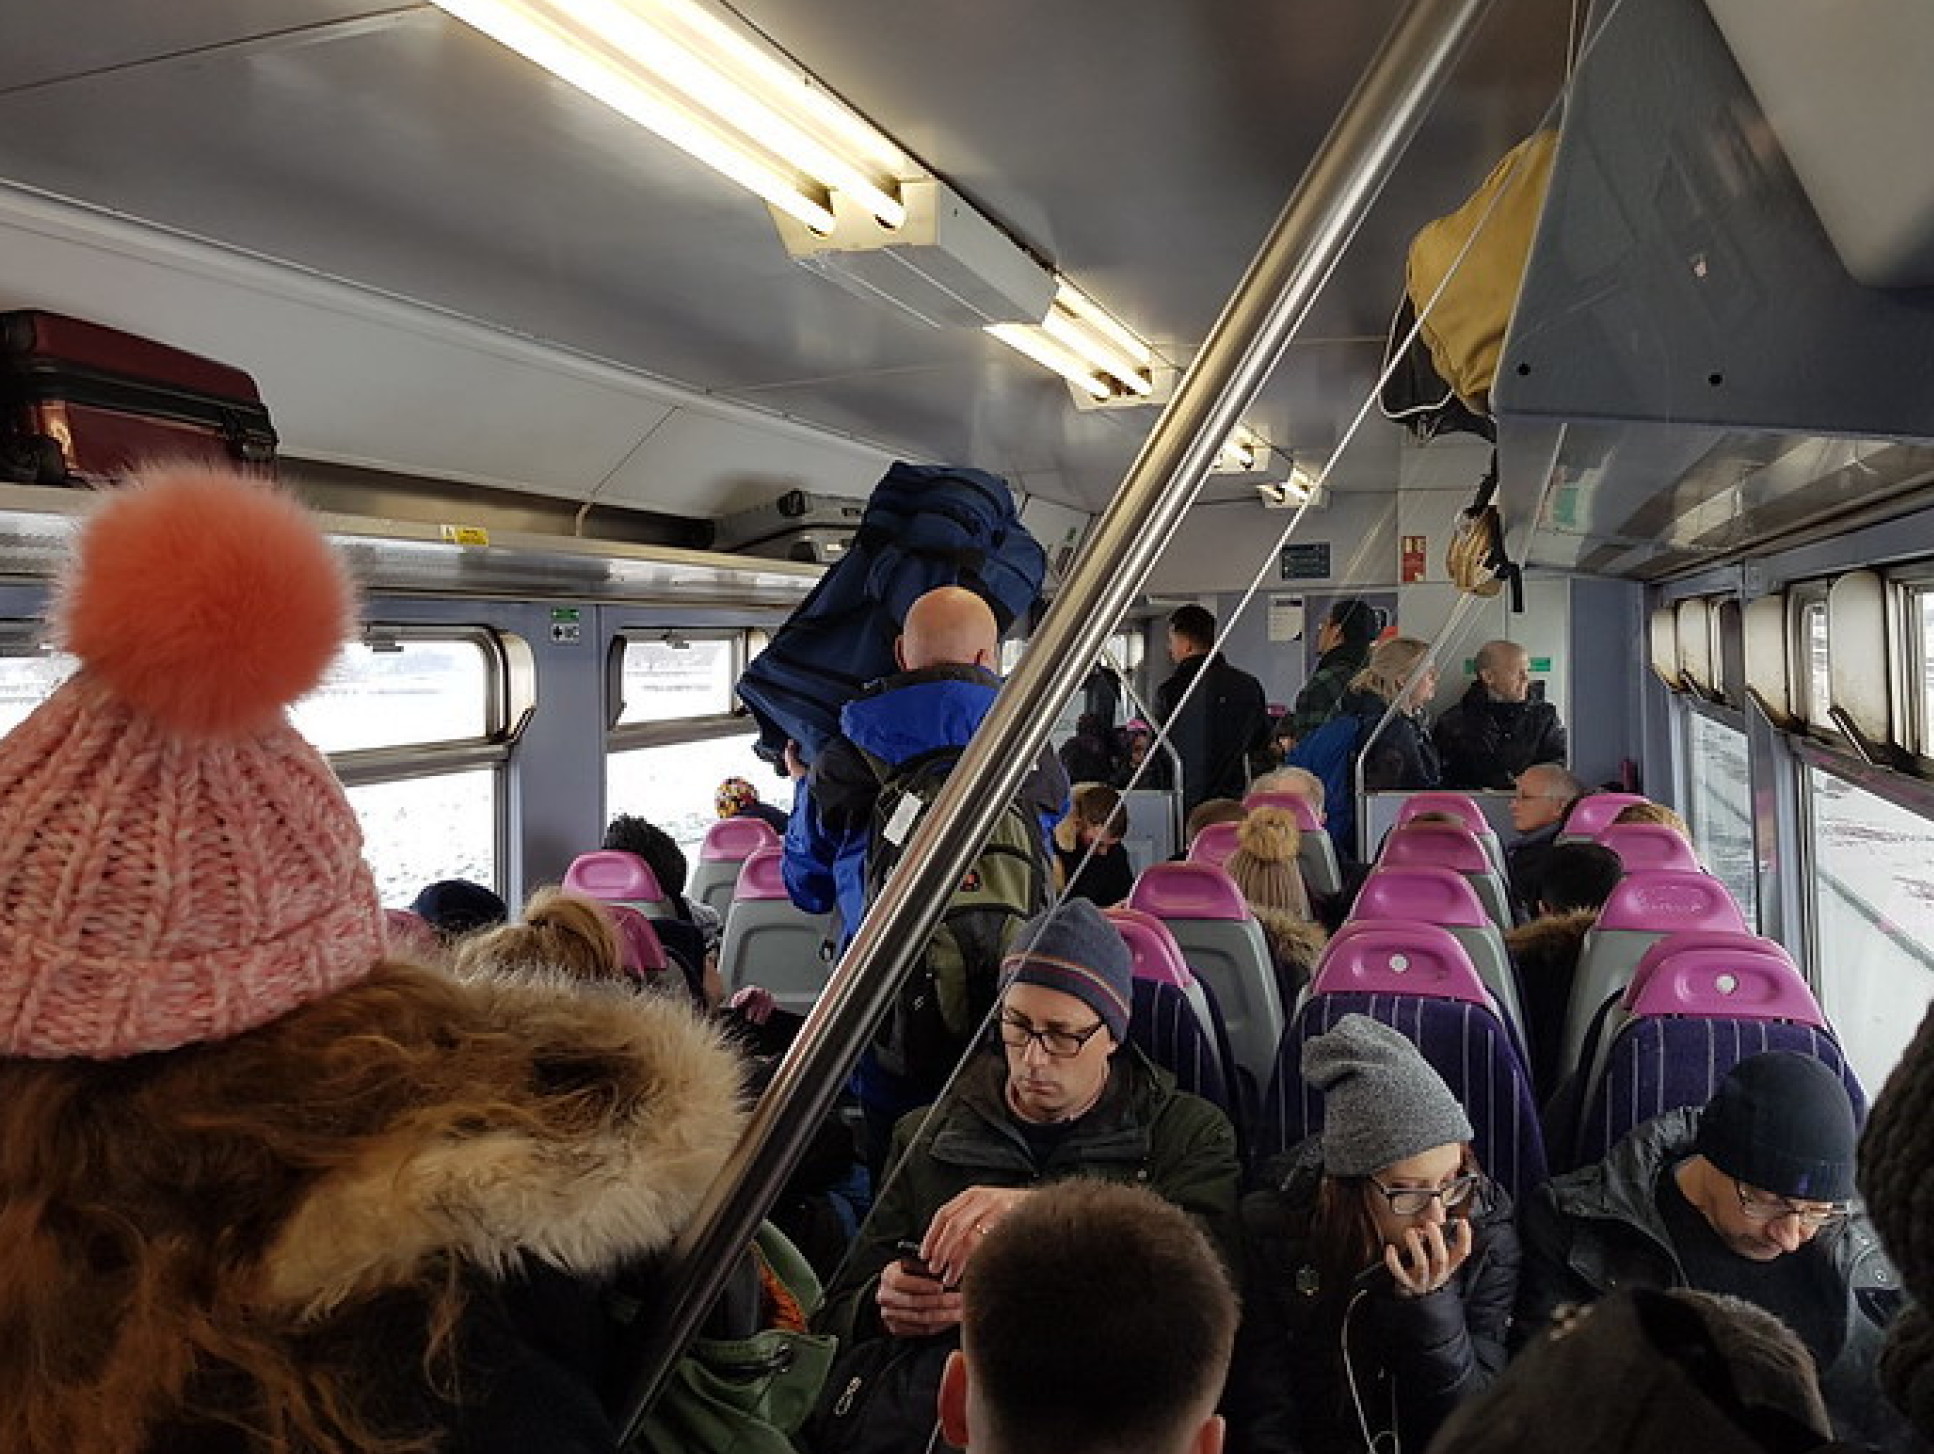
81	404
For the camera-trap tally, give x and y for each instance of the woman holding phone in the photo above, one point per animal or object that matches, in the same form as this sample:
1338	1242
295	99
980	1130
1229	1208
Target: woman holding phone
1381	1264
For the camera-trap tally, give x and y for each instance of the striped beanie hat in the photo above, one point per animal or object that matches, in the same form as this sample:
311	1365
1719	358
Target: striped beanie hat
177	864
1074	949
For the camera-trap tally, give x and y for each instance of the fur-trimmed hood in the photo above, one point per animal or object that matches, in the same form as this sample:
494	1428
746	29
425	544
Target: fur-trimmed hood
1294	944
1553	936
626	1110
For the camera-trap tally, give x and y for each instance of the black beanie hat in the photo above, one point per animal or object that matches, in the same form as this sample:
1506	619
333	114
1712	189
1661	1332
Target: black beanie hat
1782	1122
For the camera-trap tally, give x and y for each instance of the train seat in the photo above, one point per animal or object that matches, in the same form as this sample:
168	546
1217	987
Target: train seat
1158	958
1163	1025
1222	943
1417	979
1643	908
1441	845
728	844
1322	871
1462	807
1593	814
1698	1010
1445	898
640	948
1650	848
770	942
615	877
1215	844
410	935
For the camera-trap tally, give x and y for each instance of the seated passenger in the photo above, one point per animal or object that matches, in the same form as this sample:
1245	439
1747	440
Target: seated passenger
1894	1177
1089	756
1655	813
1096	1320
1142	769
1648	1370
1539	806
1206	813
1578	878
561	933
1265	868
1089	861
628	833
737	798
1067	1096
265	1188
1753	1196
1495	731
1402	758
1380	1267
455	907
1297	780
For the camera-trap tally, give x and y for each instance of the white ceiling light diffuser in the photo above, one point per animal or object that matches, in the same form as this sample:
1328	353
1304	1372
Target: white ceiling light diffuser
684	72
1087	346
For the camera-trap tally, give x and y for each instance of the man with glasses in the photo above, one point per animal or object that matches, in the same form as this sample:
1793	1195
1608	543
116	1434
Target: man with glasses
1540	803
1065	1096
1752	1196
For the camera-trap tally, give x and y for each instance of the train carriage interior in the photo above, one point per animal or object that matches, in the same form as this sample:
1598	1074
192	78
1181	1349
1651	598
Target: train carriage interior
591	410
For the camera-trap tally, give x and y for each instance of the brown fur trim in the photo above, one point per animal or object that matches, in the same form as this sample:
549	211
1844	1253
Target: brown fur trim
1551	936
1294	943
627	1109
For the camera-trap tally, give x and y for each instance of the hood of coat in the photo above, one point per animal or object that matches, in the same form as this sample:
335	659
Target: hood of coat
1293	942
1552	936
596	1153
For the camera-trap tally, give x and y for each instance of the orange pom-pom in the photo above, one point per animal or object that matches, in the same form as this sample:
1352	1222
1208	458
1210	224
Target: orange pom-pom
206	600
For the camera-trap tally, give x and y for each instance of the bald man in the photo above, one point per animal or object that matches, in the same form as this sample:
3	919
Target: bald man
948	649
1496	731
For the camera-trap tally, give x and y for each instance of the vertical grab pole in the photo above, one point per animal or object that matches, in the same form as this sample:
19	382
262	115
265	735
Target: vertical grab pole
1349	169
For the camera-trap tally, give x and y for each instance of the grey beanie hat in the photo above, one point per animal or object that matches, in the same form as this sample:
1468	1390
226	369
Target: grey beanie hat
1073	948
1382	1102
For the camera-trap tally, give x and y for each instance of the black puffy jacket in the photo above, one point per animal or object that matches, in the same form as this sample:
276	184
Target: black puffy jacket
1486	744
1414	1359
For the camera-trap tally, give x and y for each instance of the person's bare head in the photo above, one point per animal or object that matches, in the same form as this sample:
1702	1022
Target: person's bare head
949	626
1095	1317
1505	669
1545	793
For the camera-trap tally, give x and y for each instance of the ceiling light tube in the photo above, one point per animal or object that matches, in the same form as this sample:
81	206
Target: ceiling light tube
1037	345
681	72
1100	320
1097	350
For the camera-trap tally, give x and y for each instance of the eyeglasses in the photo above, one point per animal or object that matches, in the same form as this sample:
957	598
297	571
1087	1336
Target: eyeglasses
1017	1034
1762	1206
1409	1201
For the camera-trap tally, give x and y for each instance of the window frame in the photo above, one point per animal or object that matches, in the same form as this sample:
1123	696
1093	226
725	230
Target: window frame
1802	598
505	717
1729	717
629	736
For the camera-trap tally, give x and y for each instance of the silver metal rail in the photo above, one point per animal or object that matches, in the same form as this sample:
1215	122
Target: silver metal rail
1274	296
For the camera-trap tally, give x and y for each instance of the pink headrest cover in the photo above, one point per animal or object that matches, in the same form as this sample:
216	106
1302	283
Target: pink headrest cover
613	876
1402	959
1157	956
1662	901
733	840
638	942
1188	891
410	933
1457	805
1642	846
1215	844
1420	895
1290	802
1741	943
762	876
1728	985
1435	845
1593	813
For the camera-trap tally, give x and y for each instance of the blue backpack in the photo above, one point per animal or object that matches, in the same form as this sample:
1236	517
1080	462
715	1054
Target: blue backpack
1330	752
925	526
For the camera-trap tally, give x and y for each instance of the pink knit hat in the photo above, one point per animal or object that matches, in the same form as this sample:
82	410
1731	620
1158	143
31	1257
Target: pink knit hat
176	863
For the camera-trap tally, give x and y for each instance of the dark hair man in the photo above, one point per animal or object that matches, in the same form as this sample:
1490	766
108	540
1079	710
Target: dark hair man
1577	879
1226	717
1752	1196
1343	644
1495	731
1097	1318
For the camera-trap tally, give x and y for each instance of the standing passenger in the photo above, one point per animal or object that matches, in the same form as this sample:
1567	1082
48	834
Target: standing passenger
1225	720
1380	1268
1343	643
1494	731
1401	676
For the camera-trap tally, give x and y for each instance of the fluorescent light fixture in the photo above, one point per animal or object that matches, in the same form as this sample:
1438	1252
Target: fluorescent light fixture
1086	345
1301	488
682	71
1244	452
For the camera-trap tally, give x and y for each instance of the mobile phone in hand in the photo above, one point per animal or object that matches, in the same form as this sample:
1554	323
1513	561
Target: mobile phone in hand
911	1262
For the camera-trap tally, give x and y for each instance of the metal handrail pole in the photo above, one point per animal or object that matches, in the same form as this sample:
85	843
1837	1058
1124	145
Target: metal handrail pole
1275	294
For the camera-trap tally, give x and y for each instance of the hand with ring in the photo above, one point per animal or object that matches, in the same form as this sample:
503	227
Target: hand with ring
960	1226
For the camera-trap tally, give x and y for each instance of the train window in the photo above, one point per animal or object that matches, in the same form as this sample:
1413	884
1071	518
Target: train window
1858	654
1920	620
675	784
28	675
402	689
1873	919
420	829
671	676
1764	648
1721	806
1695	644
